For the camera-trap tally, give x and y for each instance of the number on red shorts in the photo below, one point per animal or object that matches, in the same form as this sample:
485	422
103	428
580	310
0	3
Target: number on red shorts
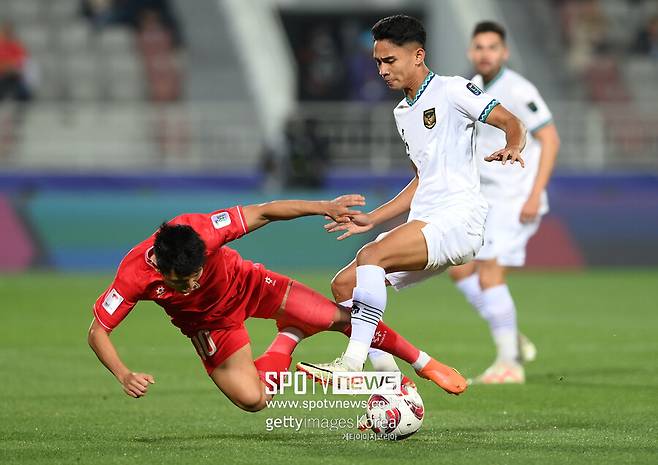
204	344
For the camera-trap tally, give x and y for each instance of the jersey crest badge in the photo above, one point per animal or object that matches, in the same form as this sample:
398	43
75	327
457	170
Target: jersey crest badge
429	118
220	220
532	106
473	88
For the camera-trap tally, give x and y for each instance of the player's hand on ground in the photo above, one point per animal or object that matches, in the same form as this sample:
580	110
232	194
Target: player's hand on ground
359	224
339	209
530	209
508	153
136	384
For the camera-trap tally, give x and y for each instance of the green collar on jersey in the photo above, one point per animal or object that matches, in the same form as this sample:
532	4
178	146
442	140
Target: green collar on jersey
421	89
495	78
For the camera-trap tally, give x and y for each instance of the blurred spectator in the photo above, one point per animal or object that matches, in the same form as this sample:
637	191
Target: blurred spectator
100	13
13	65
161	61
365	84
131	13
586	32
321	66
646	42
299	160
307	155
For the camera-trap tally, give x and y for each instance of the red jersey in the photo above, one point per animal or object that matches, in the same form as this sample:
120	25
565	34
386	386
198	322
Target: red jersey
230	289
12	55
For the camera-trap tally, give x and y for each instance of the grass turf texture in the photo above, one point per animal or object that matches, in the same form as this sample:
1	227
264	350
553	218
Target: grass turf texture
591	397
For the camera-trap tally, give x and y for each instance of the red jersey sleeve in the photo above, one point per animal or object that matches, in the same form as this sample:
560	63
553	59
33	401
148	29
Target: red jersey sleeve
217	228
118	299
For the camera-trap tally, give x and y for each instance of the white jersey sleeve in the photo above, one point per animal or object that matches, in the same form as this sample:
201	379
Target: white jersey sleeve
530	108
470	100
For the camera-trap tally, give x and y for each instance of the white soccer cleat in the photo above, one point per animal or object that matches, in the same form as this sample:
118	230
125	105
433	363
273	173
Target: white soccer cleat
527	350
324	372
501	373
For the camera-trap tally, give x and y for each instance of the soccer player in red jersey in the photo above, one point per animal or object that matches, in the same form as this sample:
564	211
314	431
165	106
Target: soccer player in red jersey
208	291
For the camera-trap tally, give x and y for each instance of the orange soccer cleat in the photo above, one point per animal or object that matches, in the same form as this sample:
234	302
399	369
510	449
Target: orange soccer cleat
447	378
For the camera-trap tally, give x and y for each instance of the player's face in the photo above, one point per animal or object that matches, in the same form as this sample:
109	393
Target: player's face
488	53
183	284
397	64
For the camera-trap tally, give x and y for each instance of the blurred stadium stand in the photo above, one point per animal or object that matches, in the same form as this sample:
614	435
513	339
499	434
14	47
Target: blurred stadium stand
127	108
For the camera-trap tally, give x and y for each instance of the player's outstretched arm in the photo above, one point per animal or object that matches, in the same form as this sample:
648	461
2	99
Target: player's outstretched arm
515	133
338	209
134	384
366	221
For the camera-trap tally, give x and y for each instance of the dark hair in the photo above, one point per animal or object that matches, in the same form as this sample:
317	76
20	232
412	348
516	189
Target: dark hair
400	29
489	26
178	248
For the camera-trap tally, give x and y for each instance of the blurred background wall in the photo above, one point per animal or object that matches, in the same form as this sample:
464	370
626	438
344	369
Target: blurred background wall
118	114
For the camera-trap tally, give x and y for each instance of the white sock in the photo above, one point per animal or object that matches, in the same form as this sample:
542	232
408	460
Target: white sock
369	302
422	360
346	303
382	361
500	312
470	287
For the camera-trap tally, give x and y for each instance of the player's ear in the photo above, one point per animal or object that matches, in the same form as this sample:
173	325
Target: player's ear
420	56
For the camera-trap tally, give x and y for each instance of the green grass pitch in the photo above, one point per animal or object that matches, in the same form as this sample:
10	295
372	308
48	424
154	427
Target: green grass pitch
591	396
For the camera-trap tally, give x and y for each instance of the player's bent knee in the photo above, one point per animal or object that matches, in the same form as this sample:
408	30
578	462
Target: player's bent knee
370	254
342	284
251	402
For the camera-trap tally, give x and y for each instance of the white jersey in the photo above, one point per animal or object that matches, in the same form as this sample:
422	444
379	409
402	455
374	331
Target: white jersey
437	129
512	184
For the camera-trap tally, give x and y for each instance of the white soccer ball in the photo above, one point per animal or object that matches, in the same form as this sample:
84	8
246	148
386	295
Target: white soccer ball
395	416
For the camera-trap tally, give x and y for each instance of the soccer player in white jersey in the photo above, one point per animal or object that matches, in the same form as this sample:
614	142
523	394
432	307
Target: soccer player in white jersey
517	200
445	226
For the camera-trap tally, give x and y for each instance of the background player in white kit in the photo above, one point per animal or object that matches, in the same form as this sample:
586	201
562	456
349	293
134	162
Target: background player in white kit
436	120
517	200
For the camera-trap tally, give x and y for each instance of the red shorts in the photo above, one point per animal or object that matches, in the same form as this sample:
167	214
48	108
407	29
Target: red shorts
305	309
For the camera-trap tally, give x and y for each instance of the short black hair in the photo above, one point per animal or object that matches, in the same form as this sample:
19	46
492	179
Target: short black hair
400	29
489	26
179	248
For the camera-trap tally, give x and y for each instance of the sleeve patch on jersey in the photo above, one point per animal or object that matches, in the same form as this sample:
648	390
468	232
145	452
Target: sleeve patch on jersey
220	220
473	88
112	301
533	107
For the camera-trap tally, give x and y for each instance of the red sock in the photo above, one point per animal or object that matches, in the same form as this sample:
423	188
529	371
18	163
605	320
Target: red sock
272	362
282	344
388	340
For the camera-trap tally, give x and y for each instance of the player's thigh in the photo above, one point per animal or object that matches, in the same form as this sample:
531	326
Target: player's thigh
309	311
238	379
457	273
402	249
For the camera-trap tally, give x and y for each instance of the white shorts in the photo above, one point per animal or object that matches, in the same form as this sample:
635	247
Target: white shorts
450	241
505	237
